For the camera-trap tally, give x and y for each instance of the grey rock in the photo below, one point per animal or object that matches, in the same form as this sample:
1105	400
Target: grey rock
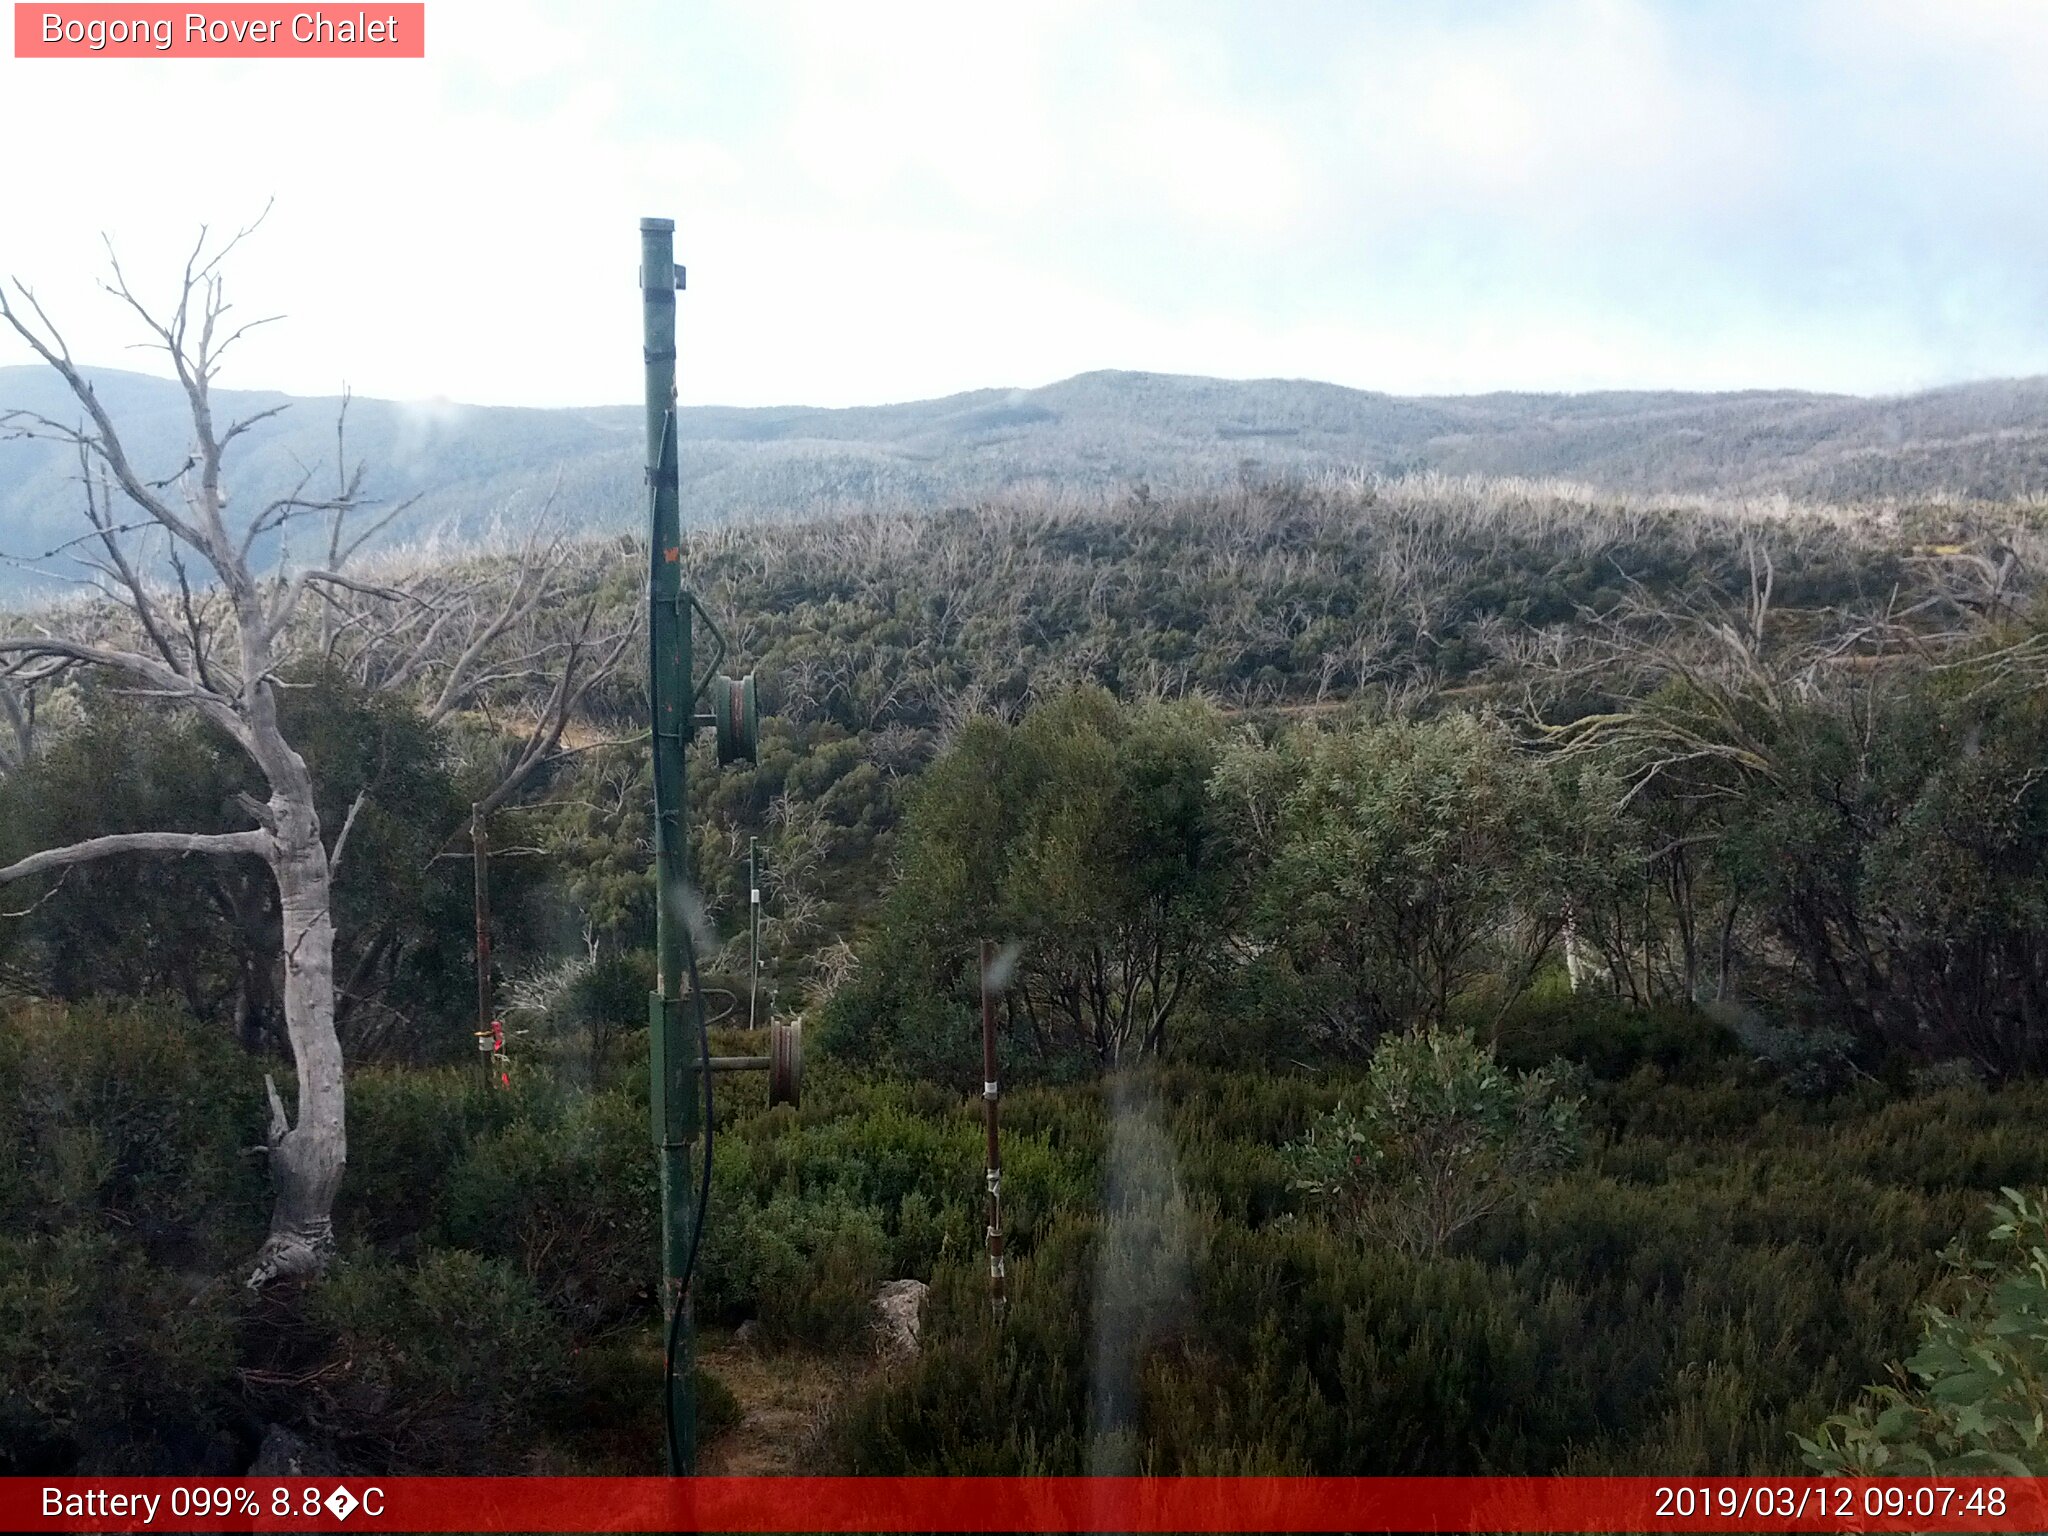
899	1312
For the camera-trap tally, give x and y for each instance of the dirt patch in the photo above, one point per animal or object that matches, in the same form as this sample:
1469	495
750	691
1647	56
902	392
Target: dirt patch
784	1395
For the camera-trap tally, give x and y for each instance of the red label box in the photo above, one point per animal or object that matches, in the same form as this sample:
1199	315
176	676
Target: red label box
1681	1506
232	31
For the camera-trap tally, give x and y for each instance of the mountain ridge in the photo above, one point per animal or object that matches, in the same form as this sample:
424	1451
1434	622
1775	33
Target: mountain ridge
1102	431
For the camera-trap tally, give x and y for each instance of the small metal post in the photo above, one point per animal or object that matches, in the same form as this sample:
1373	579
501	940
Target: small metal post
753	925
480	857
990	1094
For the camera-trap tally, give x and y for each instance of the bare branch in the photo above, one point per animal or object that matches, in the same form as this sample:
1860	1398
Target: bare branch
138	595
280	1127
530	585
107	443
56	885
236	429
155	673
254	809
195	632
257	843
349	549
348	823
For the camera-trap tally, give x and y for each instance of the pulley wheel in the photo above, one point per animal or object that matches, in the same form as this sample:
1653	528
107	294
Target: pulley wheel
737	711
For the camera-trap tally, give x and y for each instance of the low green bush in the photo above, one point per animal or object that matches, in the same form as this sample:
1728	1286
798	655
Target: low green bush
1683	1300
572	1201
408	1130
1610	1037
717	1409
446	1366
1969	1402
1727	1265
132	1118
807	1269
607	1420
1441	1137
107	1362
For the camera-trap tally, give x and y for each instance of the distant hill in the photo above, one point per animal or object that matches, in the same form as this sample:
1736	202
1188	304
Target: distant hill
474	466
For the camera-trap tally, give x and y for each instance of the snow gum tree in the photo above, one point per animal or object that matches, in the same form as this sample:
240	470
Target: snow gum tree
221	637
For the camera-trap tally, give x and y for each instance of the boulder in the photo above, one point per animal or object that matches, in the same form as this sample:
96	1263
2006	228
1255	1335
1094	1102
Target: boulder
899	1309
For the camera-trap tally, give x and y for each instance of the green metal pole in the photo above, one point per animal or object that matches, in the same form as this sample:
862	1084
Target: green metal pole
673	1086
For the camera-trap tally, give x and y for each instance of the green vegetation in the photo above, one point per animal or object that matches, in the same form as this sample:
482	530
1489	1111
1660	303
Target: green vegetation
1689	1298
1441	1138
1973	1407
1490	984
1726	1266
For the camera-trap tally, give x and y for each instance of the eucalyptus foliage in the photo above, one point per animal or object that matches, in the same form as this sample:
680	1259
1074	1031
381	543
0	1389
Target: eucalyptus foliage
1973	1401
1411	863
1441	1138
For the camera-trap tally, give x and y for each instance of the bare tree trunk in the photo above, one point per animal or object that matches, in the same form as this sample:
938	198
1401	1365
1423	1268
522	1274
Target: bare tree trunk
1728	945
306	1159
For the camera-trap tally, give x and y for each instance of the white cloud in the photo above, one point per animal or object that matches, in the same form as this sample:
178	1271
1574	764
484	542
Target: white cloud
1194	154
885	201
890	100
1570	113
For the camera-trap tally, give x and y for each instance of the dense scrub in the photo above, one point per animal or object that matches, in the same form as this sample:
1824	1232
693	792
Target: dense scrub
1255	788
1685	1301
1854	882
1727	1264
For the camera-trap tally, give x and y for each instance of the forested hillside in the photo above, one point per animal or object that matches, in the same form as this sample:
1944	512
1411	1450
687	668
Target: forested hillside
474	469
1502	981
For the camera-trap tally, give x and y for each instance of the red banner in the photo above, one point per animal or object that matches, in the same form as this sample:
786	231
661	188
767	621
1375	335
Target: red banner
232	31
1133	1504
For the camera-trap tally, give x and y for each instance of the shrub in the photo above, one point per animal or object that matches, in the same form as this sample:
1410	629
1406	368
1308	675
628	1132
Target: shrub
1410	865
1086	834
571	1202
1441	1138
444	1366
107	1363
607	1421
1973	1405
131	1115
807	1266
1610	1037
717	1409
580	1007
408	1129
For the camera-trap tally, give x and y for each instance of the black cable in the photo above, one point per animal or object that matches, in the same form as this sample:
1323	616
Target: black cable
675	1321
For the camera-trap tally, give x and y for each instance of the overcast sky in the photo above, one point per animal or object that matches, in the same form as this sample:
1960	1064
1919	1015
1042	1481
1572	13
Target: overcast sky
883	202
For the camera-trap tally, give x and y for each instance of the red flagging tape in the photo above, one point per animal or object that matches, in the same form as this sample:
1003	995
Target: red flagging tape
1107	1504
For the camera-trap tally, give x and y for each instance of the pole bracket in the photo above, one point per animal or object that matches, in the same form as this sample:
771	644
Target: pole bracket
672	1074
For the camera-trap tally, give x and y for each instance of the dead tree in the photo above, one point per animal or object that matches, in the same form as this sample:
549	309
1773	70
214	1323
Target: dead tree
219	642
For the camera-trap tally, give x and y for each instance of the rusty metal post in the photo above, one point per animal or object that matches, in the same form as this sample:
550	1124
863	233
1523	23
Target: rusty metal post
990	1094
